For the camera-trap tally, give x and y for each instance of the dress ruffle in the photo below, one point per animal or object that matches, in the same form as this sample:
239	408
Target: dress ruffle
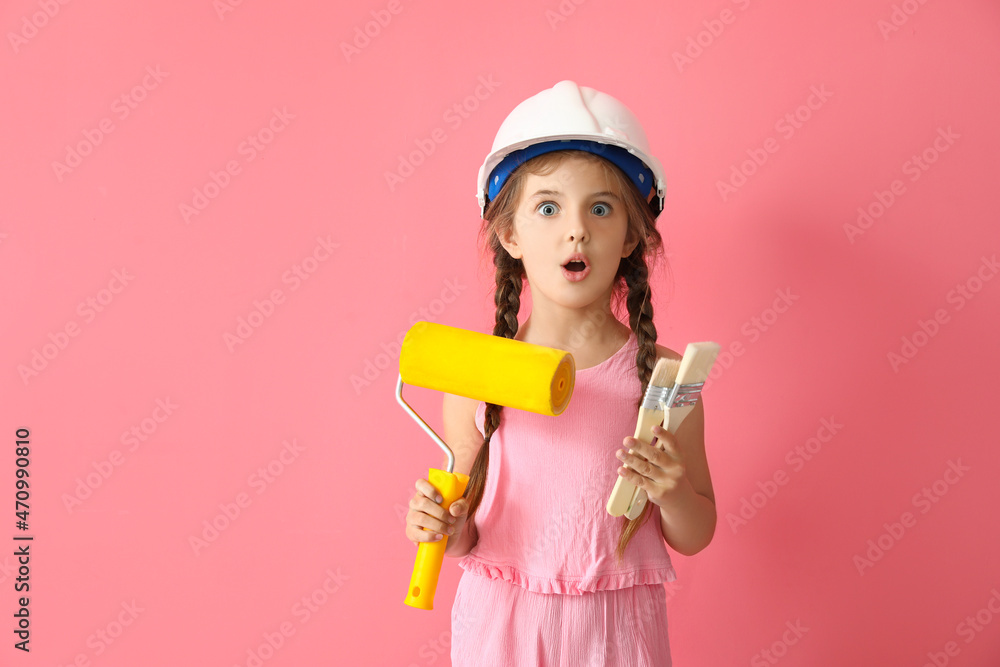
567	585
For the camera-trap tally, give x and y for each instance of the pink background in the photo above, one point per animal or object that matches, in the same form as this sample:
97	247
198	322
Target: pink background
326	524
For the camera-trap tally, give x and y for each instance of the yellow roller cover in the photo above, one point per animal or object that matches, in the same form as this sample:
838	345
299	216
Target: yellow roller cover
487	368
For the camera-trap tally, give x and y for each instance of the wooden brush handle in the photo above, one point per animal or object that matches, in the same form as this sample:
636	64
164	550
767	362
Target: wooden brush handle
624	495
671	420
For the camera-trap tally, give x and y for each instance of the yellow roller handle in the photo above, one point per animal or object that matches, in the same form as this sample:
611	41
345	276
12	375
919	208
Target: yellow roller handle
430	555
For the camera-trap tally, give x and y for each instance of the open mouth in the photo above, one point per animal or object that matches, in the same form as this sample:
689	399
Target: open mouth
575	270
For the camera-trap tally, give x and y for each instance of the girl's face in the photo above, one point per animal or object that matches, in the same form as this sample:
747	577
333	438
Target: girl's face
568	211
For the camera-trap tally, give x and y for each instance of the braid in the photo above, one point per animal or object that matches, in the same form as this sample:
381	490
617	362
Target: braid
640	317
508	302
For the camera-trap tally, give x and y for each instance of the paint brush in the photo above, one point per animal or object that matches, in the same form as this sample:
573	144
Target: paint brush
673	391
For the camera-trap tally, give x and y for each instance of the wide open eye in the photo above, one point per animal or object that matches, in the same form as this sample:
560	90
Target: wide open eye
601	209
547	208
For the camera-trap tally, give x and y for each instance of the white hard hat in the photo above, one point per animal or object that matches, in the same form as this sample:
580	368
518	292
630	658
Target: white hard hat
568	116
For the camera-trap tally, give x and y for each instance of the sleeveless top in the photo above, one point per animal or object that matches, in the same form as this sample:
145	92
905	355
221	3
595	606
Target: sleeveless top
542	521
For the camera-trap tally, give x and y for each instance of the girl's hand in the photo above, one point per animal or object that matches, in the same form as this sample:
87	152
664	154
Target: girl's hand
425	512
658	468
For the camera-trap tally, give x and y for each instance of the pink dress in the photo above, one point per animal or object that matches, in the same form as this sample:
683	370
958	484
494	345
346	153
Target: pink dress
542	586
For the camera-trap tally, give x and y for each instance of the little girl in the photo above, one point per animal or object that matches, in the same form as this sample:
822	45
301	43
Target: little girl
569	198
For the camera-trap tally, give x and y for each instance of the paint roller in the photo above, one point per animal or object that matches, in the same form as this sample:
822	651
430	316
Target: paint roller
487	368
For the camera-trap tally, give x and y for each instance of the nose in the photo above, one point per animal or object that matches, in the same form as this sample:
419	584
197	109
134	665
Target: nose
577	230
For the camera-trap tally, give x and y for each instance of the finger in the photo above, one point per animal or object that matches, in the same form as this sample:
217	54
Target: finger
643	452
632	462
667	442
638	447
422	504
423	528
651	470
446	517
673	463
428	490
651	451
426	536
434	497
631	476
421	525
442	523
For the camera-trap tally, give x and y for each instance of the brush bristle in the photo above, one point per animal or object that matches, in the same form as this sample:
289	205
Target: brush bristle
665	372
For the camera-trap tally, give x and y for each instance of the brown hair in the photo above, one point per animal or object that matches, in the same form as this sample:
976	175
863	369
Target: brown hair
631	283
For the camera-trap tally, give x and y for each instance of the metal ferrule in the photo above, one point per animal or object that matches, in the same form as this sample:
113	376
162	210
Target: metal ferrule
674	396
656	397
685	394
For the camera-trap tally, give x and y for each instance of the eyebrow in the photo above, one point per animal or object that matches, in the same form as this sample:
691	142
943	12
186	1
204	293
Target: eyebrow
605	193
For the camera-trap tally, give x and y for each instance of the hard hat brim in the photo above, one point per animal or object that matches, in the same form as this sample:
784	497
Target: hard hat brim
644	171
